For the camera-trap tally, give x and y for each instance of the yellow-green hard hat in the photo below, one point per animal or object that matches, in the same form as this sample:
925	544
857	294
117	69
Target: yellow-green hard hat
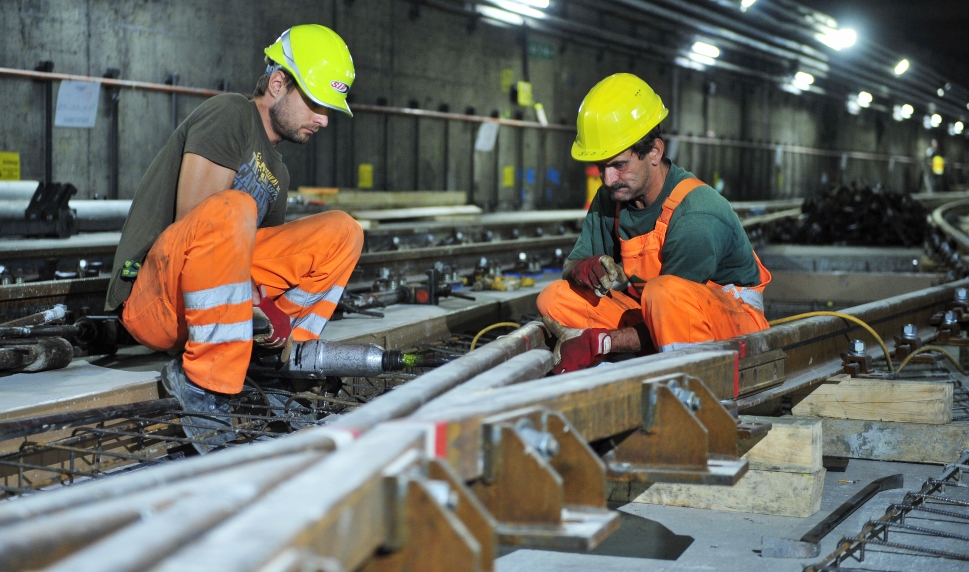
615	114
319	60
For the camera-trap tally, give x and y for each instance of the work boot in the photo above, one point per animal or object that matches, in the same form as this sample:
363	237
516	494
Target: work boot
211	425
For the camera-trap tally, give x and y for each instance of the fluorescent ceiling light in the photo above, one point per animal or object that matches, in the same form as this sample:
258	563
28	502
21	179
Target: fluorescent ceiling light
700	58
957	127
865	99
837	39
907	111
519	8
688	63
499	15
940	92
853	107
802	80
744	4
936	120
705	49
535	3
902	67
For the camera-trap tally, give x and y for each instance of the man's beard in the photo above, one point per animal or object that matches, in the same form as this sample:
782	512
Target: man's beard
282	122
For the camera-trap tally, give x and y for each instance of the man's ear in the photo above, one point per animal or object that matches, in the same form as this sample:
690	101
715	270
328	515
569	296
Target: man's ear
277	84
657	152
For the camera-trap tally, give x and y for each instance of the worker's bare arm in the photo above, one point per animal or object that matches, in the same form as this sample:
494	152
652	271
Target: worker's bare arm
198	180
567	269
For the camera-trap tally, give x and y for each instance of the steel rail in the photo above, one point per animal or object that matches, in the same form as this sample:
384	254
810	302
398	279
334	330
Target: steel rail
412	395
941	216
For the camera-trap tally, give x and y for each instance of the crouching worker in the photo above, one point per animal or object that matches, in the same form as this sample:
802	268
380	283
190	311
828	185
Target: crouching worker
662	262
205	246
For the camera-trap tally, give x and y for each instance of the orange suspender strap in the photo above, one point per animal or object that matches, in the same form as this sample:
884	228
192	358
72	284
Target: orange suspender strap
680	191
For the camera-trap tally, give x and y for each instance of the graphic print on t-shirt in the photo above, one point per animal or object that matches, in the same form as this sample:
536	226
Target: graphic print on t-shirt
256	179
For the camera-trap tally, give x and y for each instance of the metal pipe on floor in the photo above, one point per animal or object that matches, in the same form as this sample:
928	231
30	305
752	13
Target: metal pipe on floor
92	215
409	397
18	190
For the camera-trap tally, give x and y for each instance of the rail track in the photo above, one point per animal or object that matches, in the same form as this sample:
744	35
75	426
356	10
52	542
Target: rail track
436	472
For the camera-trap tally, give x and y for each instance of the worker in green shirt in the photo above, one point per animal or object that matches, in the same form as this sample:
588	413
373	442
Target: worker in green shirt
663	261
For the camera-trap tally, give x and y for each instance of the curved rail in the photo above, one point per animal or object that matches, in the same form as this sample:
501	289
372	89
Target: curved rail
940	218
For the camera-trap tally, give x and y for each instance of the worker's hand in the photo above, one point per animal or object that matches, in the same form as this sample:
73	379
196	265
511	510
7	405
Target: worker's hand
585	350
279	324
598	273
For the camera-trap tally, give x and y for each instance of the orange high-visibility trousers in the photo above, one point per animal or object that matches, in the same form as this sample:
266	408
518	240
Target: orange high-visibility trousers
677	312
194	289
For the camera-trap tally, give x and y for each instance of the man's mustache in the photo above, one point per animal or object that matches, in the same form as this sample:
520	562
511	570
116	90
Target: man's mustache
618	186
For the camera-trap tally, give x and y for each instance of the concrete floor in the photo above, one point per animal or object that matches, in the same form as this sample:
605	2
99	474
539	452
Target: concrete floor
731	541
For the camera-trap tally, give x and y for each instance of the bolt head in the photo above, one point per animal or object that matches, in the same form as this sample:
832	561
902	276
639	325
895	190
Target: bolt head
962	295
949	317
858	347
910	331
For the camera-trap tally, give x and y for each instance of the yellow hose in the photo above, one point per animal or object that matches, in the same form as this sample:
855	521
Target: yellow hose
888	357
474	342
923	349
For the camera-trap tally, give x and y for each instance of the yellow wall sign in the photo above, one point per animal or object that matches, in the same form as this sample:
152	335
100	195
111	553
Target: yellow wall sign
508	176
365	176
9	166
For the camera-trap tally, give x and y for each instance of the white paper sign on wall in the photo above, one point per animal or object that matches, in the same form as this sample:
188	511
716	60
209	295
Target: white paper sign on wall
77	104
487	136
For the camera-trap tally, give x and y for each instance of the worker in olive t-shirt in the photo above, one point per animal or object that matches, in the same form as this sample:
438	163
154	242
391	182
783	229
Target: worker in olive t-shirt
663	261
205	247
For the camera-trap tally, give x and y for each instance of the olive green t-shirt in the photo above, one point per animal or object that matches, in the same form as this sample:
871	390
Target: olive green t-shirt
227	130
704	241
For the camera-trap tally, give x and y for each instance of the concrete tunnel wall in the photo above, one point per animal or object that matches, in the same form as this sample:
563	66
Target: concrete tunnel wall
435	59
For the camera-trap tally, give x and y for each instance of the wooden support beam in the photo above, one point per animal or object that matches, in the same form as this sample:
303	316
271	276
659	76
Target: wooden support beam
761	492
843	397
793	445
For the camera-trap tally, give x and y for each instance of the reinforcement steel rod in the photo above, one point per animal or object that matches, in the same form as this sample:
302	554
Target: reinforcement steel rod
316	439
37	542
57	421
410	396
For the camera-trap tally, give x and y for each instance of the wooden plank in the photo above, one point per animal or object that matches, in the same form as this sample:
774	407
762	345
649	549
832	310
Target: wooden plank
383	199
878	400
421	212
793	445
760	492
888	441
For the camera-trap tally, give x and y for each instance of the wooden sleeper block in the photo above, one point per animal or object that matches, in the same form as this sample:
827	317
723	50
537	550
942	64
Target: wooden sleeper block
761	492
843	397
793	445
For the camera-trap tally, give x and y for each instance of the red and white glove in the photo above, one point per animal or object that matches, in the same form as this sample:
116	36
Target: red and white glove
279	324
585	350
598	273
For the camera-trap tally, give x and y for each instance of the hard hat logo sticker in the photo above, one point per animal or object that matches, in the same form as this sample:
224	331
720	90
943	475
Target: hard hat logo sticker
339	86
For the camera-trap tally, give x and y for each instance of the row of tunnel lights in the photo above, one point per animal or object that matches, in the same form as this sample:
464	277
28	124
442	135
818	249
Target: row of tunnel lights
704	54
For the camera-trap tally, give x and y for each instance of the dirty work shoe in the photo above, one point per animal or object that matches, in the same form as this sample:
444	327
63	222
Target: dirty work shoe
211	427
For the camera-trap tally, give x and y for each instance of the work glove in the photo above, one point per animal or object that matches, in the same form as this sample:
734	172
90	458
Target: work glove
576	348
599	274
279	324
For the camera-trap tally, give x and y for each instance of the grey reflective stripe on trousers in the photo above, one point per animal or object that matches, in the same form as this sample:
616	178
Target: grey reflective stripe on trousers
236	293
307	299
311	323
748	296
221	333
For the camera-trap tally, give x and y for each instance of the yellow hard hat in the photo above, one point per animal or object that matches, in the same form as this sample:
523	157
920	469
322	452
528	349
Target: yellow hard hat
615	114
320	62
